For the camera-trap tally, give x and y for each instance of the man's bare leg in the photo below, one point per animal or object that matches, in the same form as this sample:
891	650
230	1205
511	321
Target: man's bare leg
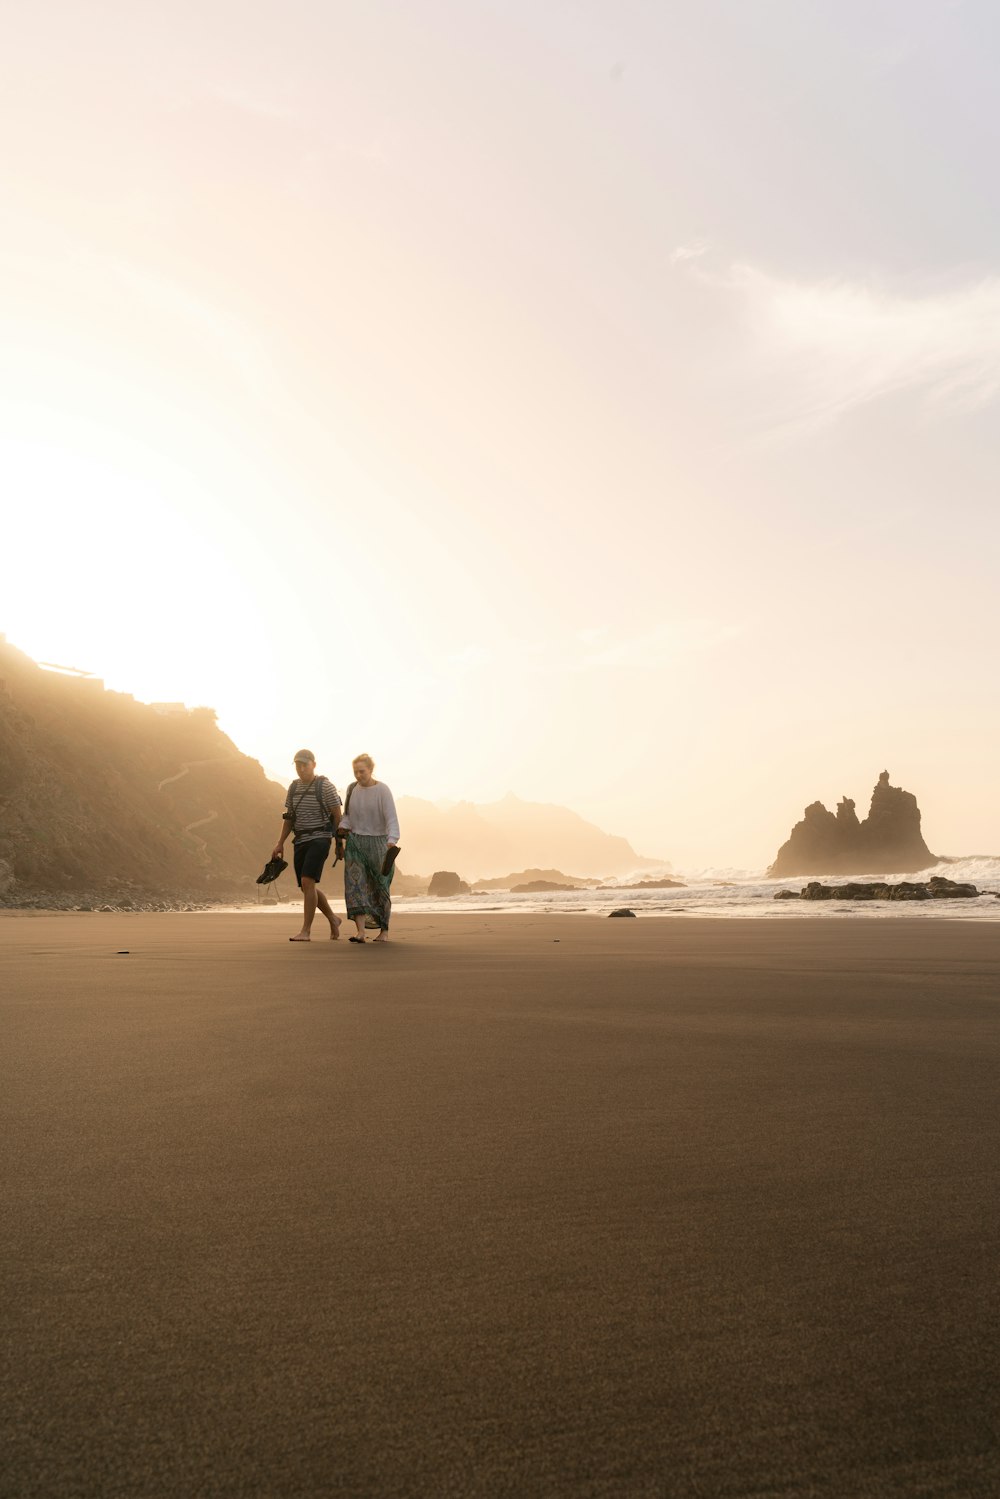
308	909
329	913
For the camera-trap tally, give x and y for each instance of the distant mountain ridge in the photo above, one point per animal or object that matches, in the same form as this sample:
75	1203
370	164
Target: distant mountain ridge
483	841
528	876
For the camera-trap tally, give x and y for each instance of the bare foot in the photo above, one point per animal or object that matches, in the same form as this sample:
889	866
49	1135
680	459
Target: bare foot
382	937
302	937
335	929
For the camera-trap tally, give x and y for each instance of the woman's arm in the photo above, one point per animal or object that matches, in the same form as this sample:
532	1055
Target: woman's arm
389	813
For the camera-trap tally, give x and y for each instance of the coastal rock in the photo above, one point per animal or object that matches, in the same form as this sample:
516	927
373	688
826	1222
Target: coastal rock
889	837
447	882
815	891
622	911
535	887
663	884
942	889
935	888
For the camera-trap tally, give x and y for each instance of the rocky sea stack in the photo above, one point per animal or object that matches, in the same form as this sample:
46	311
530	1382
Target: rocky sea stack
828	843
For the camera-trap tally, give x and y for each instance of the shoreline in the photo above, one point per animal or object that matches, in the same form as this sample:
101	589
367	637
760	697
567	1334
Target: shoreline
819	913
703	897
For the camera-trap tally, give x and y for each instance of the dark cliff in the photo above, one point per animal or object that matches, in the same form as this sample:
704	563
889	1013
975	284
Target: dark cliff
104	796
889	839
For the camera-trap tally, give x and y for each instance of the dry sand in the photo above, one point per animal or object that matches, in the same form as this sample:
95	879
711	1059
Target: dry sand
515	1206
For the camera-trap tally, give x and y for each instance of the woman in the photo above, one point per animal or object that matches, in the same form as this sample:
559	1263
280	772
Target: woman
372	827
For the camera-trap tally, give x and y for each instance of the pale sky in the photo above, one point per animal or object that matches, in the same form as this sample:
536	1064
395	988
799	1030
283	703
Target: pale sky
591	400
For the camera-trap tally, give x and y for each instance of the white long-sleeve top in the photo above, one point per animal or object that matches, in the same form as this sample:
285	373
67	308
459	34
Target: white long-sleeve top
373	812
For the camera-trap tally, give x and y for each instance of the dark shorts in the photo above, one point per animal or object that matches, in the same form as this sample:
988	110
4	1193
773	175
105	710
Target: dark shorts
310	857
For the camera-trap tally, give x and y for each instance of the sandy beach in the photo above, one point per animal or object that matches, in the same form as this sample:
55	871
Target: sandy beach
514	1206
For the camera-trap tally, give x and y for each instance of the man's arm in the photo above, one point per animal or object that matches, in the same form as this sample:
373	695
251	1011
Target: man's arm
278	851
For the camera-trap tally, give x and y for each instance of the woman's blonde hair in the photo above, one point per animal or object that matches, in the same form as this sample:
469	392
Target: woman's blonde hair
363	760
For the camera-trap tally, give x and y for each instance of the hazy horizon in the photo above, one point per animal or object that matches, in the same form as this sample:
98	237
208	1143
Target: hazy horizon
598	405
530	843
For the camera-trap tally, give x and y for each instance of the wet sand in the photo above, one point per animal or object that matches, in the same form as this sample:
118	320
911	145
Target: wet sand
515	1206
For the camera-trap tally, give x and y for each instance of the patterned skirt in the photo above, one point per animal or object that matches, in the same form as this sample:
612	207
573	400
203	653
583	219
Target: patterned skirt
366	888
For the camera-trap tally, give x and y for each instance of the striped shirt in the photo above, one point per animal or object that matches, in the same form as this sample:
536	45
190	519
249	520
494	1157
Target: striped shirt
312	805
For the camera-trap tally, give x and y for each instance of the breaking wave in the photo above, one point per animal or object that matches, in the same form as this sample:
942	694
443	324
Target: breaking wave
724	891
728	892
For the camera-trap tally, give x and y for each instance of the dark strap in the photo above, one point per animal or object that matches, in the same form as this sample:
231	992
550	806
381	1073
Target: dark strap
347	804
302	796
315	784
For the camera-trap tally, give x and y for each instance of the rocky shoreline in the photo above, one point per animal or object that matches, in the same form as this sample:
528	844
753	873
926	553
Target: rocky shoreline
936	888
119	898
67	903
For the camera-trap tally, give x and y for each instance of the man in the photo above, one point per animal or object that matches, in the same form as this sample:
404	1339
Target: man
312	810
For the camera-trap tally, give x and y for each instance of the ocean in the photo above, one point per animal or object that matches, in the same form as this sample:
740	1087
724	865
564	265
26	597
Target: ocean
737	892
